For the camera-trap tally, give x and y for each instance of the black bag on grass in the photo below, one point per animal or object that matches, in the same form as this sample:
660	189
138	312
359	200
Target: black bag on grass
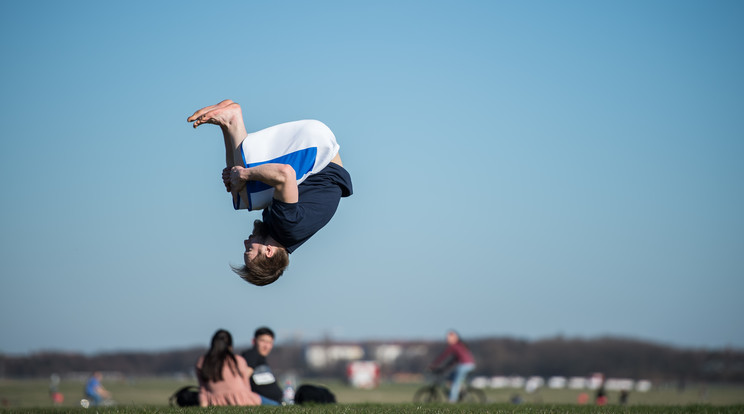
185	397
314	394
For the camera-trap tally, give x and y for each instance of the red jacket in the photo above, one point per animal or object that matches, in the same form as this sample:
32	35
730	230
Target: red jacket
459	350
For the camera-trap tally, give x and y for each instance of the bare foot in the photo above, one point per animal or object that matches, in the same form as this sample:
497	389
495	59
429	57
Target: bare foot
222	114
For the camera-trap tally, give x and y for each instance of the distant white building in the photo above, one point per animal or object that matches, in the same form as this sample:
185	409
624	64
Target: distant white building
643	386
533	384
480	382
557	382
595	381
577	383
516	382
387	353
321	356
499	382
619	384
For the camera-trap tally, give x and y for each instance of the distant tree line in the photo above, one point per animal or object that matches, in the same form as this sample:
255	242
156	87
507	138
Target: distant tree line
615	357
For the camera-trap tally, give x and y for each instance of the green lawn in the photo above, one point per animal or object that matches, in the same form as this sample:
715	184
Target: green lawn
151	395
398	408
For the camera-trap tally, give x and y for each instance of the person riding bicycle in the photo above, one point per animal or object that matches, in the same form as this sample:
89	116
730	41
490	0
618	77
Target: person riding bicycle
464	362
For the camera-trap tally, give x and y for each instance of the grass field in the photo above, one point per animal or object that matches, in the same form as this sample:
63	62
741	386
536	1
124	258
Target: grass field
400	408
151	395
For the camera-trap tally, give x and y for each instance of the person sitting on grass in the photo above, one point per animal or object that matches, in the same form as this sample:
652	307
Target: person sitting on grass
223	376
262	379
95	391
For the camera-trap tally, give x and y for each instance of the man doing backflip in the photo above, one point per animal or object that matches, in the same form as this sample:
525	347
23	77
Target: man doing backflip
292	171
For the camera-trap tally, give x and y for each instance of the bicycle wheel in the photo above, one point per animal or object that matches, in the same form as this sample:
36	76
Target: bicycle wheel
428	394
472	395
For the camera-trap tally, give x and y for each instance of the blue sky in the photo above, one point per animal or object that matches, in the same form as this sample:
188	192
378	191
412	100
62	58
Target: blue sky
521	169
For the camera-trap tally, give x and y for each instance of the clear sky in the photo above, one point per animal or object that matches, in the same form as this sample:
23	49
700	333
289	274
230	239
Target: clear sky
521	168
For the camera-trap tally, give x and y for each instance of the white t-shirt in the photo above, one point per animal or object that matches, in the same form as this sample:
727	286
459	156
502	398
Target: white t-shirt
308	146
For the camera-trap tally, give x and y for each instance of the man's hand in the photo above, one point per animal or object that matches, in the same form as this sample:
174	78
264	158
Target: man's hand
280	176
226	179
237	180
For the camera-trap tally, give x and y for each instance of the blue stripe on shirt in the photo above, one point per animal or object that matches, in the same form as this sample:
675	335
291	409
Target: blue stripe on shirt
302	161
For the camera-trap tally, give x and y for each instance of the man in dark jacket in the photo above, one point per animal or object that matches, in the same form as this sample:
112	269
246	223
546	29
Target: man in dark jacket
263	381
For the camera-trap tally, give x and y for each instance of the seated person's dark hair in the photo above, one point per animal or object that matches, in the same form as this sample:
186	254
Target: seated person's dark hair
264	330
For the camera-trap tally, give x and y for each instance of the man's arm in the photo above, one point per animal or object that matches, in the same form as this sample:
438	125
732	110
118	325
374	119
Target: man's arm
102	391
439	359
280	176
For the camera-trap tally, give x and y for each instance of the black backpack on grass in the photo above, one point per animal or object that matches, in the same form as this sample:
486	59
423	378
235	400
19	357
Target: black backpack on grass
313	394
185	397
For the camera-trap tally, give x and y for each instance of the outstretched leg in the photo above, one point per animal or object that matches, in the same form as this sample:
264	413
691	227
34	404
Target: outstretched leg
229	117
461	372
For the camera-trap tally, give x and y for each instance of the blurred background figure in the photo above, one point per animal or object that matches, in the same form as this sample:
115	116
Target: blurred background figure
262	380
94	391
54	394
601	397
456	353
223	376
624	396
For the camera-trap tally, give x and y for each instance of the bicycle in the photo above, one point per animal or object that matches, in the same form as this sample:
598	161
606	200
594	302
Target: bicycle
438	391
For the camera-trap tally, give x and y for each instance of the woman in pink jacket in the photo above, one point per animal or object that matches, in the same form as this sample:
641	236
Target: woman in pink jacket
223	376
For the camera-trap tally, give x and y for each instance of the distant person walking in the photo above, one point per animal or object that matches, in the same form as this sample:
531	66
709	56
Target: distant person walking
601	396
95	391
459	354
223	376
